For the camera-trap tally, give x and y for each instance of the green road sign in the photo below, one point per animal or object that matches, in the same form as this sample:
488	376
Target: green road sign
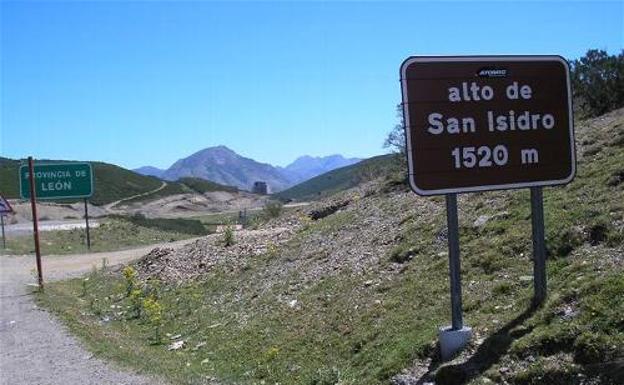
58	181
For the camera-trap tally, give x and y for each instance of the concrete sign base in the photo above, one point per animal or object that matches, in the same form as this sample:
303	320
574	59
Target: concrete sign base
453	341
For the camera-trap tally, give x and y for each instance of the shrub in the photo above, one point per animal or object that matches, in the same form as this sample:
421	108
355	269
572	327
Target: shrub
84	285
228	236
502	289
130	276
136	302
153	311
273	209
402	253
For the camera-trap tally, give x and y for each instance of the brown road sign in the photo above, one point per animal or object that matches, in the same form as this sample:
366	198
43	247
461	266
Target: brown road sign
487	122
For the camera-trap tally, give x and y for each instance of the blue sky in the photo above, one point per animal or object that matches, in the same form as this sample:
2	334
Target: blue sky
137	83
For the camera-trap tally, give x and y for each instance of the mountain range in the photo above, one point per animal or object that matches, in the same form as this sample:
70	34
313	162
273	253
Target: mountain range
222	165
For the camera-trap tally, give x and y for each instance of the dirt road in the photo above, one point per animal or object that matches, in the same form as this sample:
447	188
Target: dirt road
35	349
110	206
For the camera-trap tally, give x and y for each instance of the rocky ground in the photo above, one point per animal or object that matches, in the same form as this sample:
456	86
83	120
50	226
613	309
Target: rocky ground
174	206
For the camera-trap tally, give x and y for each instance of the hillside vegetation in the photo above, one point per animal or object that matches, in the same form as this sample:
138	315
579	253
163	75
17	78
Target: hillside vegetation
113	233
113	183
340	179
352	290
203	186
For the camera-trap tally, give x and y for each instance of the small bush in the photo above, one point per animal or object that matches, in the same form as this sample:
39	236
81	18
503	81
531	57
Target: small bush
130	276
153	311
84	283
591	348
402	253
616	178
136	303
228	236
503	288
273	209
564	241
490	263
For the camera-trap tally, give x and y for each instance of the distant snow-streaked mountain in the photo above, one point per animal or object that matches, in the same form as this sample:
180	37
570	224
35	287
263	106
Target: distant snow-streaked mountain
306	167
150	171
222	165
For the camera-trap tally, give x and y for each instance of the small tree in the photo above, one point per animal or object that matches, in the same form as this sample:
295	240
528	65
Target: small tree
598	82
395	141
228	236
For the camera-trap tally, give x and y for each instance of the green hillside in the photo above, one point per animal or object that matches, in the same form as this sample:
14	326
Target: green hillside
340	179
203	186
9	187
113	183
184	186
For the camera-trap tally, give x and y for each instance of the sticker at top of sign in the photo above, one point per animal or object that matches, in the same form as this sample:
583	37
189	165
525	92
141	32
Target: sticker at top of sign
480	123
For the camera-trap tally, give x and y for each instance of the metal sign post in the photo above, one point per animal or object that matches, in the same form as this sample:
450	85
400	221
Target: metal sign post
86	207
57	181
454	262
3	238
5	208
33	206
480	123
539	247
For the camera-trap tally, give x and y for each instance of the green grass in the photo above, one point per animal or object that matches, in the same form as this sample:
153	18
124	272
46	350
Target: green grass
176	225
111	235
220	218
343	329
255	216
203	186
9	179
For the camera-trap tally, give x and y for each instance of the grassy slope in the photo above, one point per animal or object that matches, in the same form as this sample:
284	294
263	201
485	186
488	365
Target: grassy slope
113	234
113	183
337	180
9	187
184	186
203	186
366	318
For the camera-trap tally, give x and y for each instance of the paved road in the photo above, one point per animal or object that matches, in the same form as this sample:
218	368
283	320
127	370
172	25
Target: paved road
35	349
27	227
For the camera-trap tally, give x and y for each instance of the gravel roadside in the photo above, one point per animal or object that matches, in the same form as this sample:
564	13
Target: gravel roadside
35	348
